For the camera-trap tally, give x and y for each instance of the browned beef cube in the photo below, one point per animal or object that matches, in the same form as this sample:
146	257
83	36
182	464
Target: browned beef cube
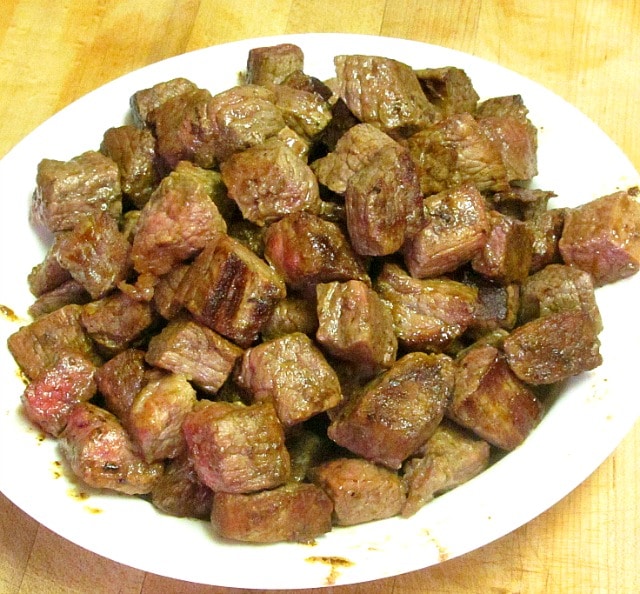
195	351
298	79
306	250
428	314
552	348
353	151
383	92
355	325
49	274
507	254
305	112
231	290
157	412
236	448
50	397
546	229
497	306
143	102
521	202
177	222
396	412
96	254
295	142
67	191
268	181
291	314
164	294
450	457
40	344
292	373
100	453
455	229
134	151
116	321
383	203
295	512
450	89
272	64
491	401
558	287
454	151
67	293
361	491
603	236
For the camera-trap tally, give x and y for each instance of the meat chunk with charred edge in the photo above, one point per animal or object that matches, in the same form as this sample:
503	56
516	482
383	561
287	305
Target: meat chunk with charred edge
68	293
145	101
449	89
305	112
273	64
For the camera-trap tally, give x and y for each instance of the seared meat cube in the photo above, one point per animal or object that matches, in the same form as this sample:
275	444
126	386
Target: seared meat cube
157	412
555	347
521	203
40	344
383	203
100	453
195	351
95	253
291	314
454	151
272	64
295	512
295	142
143	102
292	373
49	274
231	290
450	457
179	492
134	151
396	412
428	314
546	229
361	491
67	191
50	397
298	79
67	293
497	306
306	250
507	254
236	448
305	112
383	92
164	293
355	325
491	401
603	236
176	223
353	151
449	89
268	181
454	231
558	287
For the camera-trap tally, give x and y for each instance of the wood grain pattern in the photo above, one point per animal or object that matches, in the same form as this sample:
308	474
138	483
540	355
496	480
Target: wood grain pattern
587	51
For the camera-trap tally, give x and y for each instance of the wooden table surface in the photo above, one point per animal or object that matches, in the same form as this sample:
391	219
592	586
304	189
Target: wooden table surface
588	51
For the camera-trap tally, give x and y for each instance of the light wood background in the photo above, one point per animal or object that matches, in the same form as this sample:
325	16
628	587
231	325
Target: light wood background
588	51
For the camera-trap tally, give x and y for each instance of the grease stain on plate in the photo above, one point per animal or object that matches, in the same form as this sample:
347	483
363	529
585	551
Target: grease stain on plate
335	564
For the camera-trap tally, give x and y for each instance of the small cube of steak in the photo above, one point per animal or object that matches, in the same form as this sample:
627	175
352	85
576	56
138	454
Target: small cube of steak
497	306
305	112
143	102
295	142
40	344
449	89
396	412
100	453
298	79
603	236
361	491
454	151
164	293
559	287
295	512
546	229
134	151
291	314
383	203
95	253
355	325
507	254
293	374
522	203
269	181
555	347
383	92
491	401
450	457
272	64
236	448
49	398
67	293
428	314
157	412
195	351
231	290
306	250
49	274
177	222
454	230
66	191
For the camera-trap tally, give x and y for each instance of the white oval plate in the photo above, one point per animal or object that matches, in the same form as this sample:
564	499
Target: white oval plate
576	160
